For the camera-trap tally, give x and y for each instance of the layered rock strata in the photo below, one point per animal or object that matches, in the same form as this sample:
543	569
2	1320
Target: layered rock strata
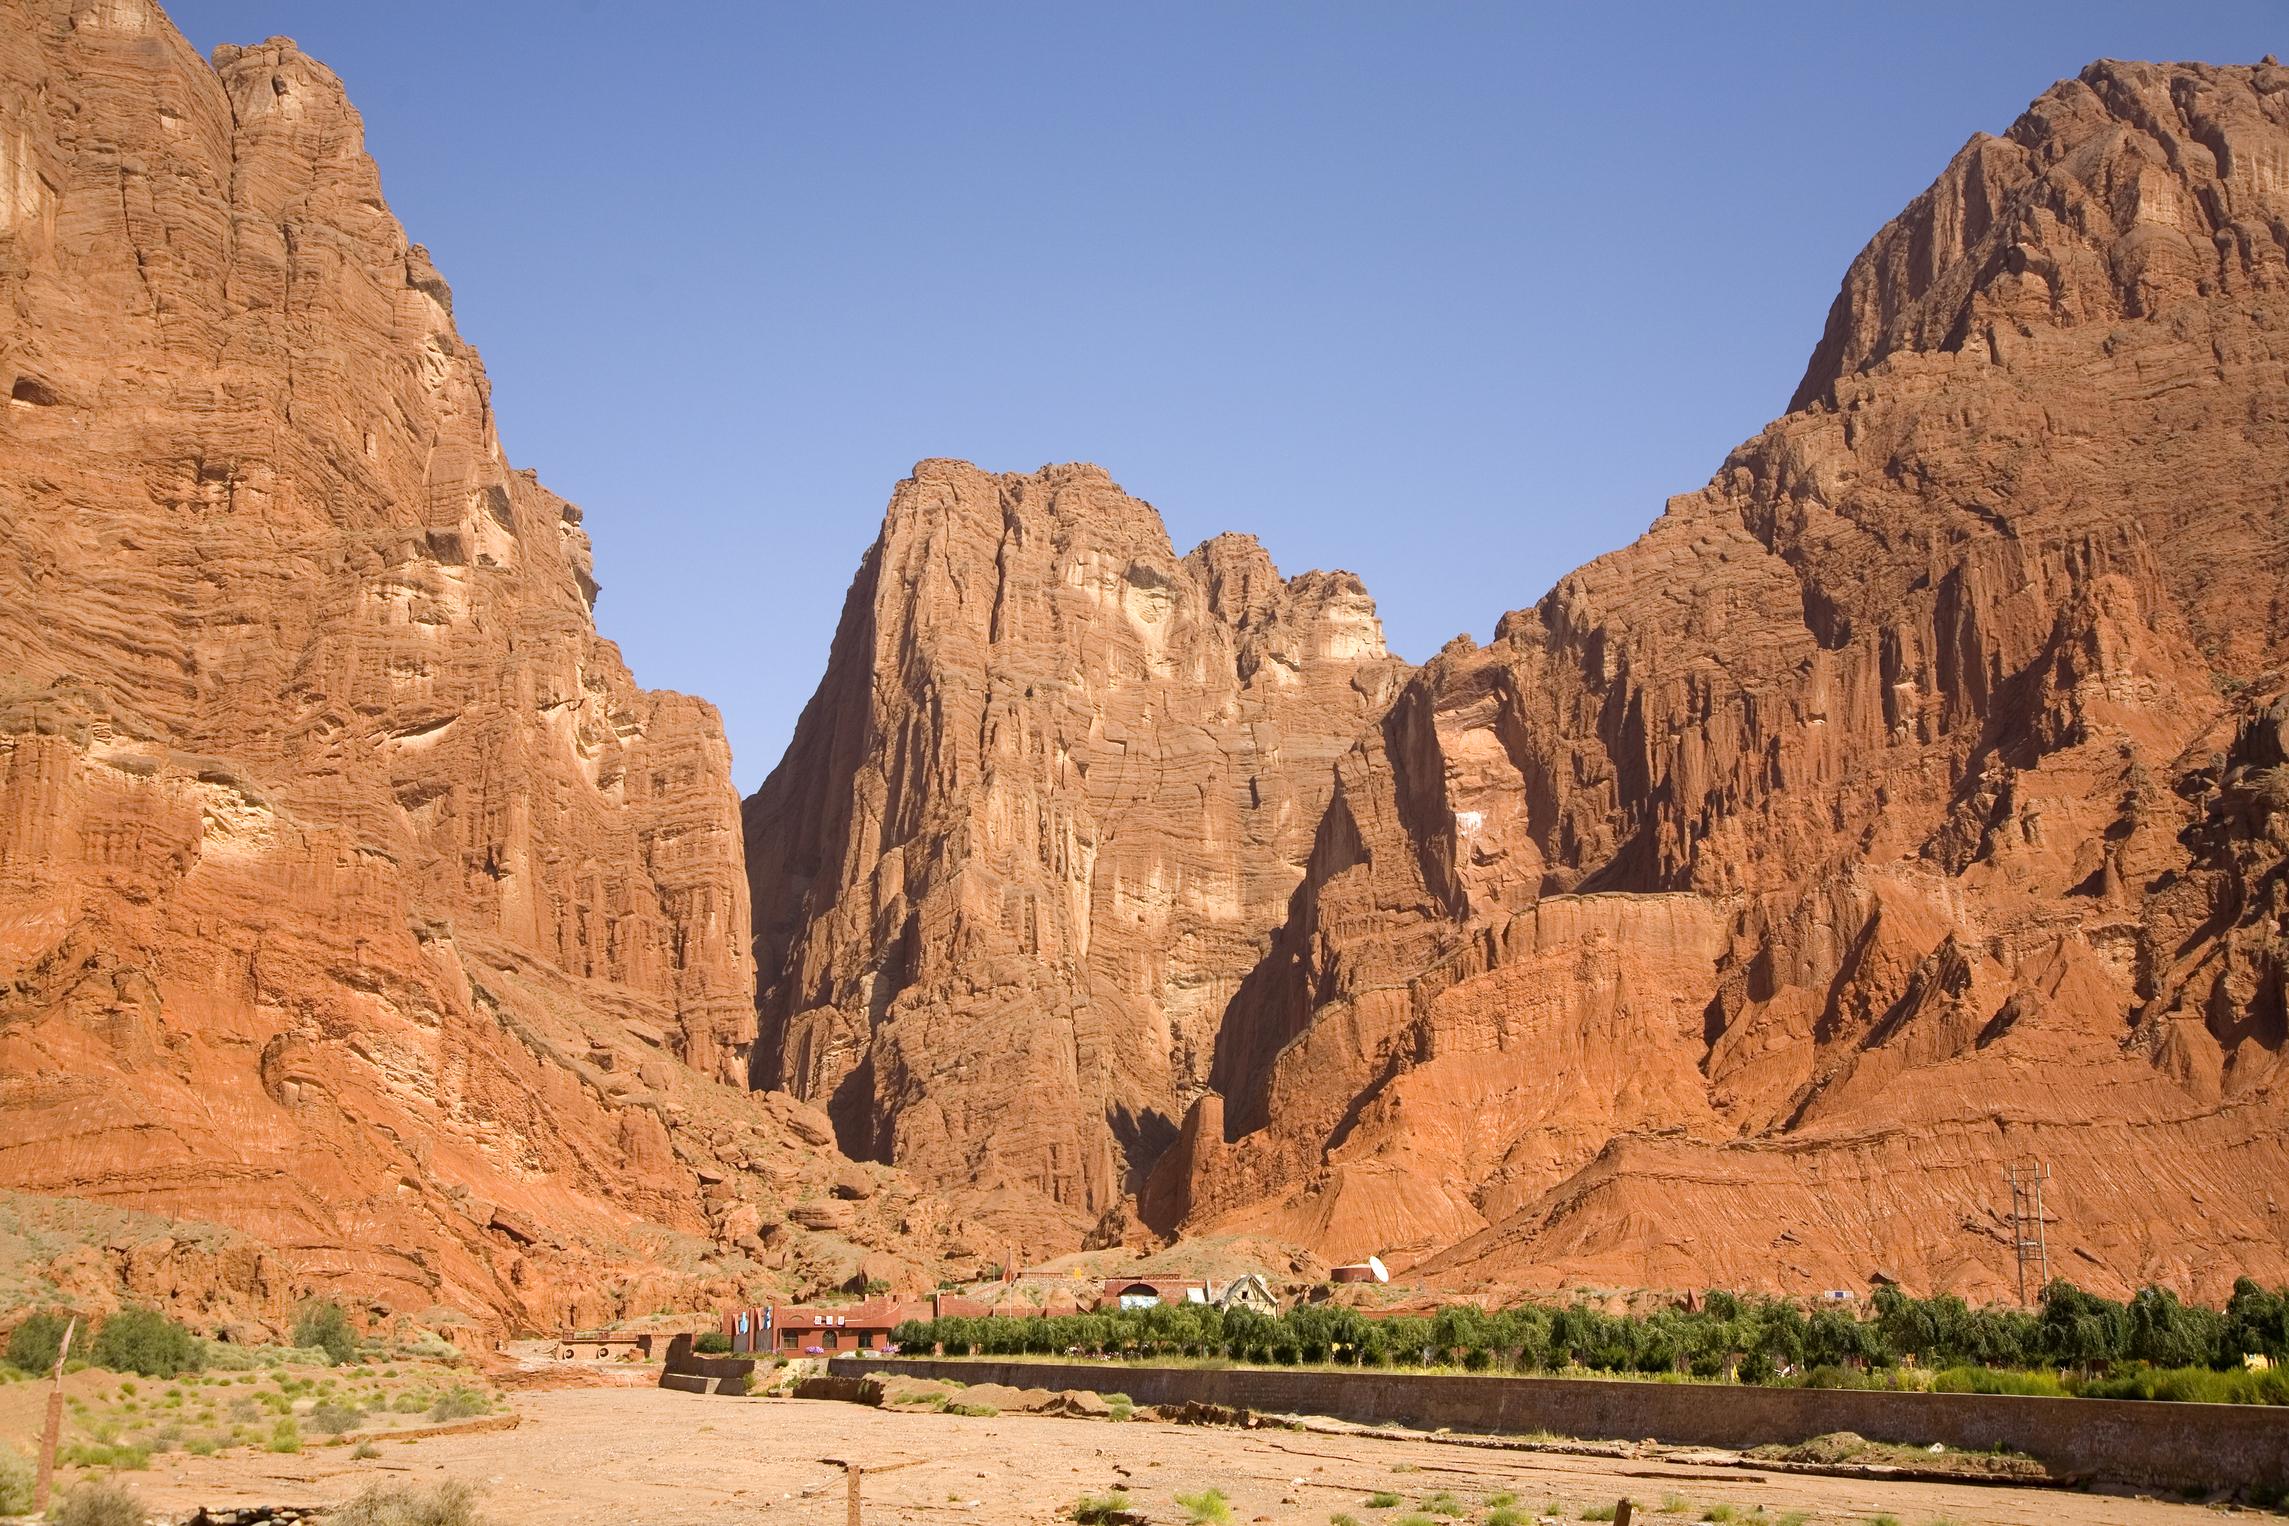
1905	803
1038	821
351	892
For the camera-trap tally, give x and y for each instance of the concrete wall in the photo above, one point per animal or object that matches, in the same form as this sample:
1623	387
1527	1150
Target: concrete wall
688	1371
2127	1441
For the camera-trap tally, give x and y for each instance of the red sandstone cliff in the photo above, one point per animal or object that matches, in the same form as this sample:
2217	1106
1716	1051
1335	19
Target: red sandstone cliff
351	893
1039	819
1907	801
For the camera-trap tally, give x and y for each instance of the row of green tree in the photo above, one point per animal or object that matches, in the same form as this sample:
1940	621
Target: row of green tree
1753	1339
147	1342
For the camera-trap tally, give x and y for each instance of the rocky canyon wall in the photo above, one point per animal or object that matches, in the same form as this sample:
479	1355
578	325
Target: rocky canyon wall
1038	821
351	892
1902	804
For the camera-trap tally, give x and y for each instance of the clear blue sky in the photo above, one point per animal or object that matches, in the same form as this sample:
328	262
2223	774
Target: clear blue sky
1452	296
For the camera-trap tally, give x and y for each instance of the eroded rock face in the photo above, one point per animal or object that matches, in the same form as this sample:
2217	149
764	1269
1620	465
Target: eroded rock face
1037	823
351	892
1901	804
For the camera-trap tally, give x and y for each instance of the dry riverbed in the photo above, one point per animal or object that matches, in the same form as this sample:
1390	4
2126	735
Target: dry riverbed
650	1456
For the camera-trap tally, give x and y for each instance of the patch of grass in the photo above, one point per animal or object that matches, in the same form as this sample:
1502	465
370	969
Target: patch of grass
976	1411
1720	1514
1443	1503
1207	1508
1501	1498
364	1450
1598	1513
1090	1509
1675	1504
1883	1520
1504	1515
105	1454
202	1446
1382	1499
1341	1519
1792	1518
98	1502
285	1436
451	1503
1415	1518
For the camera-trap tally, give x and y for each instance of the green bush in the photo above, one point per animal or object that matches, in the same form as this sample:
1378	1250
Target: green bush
98	1502
711	1343
33	1344
147	1342
285	1436
451	1503
323	1325
15	1482
330	1418
458	1403
1091	1509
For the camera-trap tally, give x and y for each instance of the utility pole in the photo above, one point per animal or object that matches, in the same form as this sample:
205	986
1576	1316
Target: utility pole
53	1432
2030	1239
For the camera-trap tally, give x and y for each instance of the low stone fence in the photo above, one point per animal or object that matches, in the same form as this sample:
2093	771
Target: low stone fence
2151	1443
687	1371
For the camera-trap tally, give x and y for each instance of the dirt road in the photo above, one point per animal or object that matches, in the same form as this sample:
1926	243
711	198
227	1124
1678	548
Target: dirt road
656	1458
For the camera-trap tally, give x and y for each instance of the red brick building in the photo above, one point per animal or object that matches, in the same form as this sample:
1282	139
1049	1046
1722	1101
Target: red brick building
791	1330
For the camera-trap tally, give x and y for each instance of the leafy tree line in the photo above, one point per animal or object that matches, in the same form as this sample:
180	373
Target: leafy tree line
147	1342
1754	1339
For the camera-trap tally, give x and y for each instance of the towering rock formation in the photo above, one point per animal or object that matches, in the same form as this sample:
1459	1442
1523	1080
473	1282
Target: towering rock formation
1907	801
1037	822
350	890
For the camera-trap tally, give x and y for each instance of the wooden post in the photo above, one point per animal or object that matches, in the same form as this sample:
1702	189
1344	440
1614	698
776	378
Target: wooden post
1621	1512
854	1471
53	1431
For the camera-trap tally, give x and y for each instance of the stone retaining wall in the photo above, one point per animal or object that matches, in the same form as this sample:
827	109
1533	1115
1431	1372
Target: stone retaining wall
2172	1446
686	1370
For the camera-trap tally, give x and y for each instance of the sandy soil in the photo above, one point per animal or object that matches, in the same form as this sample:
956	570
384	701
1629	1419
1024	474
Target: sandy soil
666	1459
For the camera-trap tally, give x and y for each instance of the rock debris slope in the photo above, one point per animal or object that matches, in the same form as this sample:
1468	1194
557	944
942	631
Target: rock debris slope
1909	800
1040	818
351	893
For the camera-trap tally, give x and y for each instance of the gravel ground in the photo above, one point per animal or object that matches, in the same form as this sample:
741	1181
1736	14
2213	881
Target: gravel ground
608	1455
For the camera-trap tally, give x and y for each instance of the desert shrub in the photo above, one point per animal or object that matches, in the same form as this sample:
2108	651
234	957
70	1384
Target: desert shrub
451	1503
1382	1499
33	1344
1091	1509
323	1325
202	1446
147	1342
711	1343
98	1502
1443	1503
331	1419
458	1403
15	1482
285	1436
364	1450
1599	1513
1504	1515
1207	1508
